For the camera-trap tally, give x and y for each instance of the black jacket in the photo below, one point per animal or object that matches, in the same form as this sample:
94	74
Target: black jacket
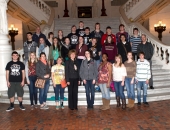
64	52
70	72
147	48
123	49
99	37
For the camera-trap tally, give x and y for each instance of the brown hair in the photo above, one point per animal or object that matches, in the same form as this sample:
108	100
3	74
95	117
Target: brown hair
29	61
71	52
120	57
60	58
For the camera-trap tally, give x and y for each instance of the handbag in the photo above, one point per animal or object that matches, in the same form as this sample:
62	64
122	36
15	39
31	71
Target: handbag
40	83
112	87
63	83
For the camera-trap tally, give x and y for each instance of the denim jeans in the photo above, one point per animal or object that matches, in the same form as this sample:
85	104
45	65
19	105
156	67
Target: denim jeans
140	85
105	91
59	90
90	88
43	92
97	63
119	89
32	89
130	88
151	79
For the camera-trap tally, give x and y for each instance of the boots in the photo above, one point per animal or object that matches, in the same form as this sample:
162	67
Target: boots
129	103
118	101
132	103
123	103
103	100
107	105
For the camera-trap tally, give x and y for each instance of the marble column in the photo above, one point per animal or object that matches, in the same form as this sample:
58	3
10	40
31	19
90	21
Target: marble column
5	47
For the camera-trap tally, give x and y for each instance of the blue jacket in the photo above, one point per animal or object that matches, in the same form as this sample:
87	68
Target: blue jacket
36	38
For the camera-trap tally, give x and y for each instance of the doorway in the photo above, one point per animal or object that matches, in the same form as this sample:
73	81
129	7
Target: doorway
85	12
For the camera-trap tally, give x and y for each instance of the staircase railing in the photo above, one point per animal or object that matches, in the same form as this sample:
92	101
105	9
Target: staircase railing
161	51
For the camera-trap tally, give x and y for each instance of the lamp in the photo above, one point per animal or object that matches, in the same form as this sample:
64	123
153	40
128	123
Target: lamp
160	28
13	32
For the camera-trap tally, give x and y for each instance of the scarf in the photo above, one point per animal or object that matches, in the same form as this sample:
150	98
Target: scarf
41	48
43	61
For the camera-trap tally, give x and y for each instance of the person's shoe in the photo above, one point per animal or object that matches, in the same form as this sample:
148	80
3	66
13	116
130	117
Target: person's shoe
123	103
42	107
107	105
118	101
22	108
57	107
32	107
139	103
129	103
45	107
36	106
62	106
132	103
10	109
76	108
103	101
146	103
151	87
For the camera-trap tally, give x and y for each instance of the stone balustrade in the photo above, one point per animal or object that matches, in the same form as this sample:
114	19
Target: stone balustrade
129	4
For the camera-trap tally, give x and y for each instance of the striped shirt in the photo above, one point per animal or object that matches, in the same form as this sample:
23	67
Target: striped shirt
135	42
143	70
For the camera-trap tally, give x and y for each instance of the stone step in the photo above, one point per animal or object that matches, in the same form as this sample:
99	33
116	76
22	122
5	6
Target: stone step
164	82
160	72
160	77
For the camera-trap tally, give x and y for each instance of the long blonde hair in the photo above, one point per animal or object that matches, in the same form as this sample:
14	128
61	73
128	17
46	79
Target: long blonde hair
29	60
120	57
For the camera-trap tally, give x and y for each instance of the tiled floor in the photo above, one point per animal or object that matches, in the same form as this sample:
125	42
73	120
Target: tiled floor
154	117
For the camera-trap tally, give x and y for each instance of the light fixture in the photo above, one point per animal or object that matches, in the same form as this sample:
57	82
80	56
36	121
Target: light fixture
13	32
160	27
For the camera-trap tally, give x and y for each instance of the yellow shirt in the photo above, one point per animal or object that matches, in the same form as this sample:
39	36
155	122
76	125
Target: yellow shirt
59	73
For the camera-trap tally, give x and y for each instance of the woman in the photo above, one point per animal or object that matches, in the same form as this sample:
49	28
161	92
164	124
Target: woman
123	47
80	50
60	38
42	48
58	74
104	81
54	52
110	48
130	79
43	72
31	78
65	49
95	51
119	73
88	73
49	41
72	79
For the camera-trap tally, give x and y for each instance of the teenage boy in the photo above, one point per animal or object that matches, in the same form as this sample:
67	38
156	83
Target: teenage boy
81	31
15	75
143	74
122	31
135	40
73	36
37	35
108	32
29	46
87	37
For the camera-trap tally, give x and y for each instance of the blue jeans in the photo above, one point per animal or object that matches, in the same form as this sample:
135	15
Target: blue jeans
140	85
119	89
130	88
43	92
55	62
105	91
89	86
58	89
97	63
32	89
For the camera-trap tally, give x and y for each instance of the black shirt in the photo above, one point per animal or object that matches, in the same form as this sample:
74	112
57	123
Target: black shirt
80	32
73	39
15	71
87	40
95	52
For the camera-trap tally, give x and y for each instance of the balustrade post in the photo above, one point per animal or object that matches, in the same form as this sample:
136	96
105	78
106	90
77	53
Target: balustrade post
103	9
66	10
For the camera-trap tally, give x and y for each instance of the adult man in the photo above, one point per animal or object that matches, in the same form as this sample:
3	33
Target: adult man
87	37
143	75
15	75
147	48
29	46
37	35
108	32
122	31
81	31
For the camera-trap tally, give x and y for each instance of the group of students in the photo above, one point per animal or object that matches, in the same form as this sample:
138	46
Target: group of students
91	58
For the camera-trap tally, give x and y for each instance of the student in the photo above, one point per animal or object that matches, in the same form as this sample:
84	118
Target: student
60	38
54	52
65	49
37	35
49	41
123	48
108	32
72	79
29	46
57	75
88	73
130	65
43	72
119	73
143	74
121	31
87	37
81	31
42	47
135	40
73	36
15	76
104	81
31	78
110	48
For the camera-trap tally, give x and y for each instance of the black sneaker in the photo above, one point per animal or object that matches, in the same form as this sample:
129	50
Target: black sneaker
139	103
146	103
22	107
151	87
10	108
